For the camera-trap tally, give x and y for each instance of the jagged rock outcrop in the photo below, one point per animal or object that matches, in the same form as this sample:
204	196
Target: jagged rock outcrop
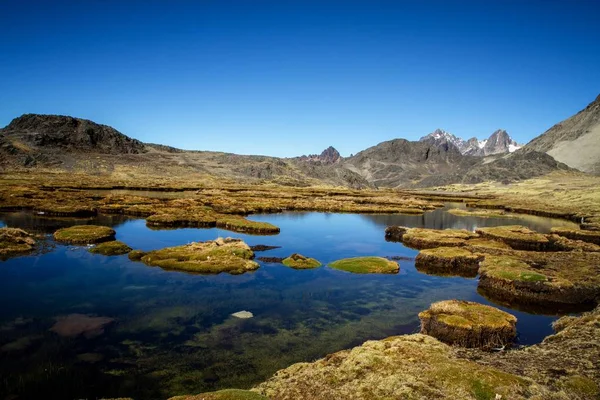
574	141
329	156
499	142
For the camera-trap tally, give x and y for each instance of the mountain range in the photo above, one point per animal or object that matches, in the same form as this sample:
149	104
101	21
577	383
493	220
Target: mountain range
499	142
52	142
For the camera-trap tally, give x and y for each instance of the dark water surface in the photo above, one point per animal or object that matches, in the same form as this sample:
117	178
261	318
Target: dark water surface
173	332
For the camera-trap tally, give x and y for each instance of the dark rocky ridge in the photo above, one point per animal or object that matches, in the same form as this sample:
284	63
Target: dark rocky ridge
69	134
329	156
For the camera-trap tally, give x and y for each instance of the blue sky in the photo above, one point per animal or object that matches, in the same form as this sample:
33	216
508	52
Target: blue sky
292	77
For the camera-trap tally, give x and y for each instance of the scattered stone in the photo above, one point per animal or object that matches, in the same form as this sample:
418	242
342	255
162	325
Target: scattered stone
518	237
262	247
401	258
468	324
211	257
15	241
112	248
73	325
84	234
298	261
453	261
243	314
366	265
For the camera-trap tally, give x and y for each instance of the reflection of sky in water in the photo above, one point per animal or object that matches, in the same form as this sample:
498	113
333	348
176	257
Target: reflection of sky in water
174	333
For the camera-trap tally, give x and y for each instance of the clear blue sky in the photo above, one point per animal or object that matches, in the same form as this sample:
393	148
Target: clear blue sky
293	77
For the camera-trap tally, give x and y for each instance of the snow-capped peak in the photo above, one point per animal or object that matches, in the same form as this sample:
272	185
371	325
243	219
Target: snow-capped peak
498	142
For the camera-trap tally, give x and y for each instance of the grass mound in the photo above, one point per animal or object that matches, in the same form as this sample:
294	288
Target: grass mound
366	265
420	238
449	261
518	237
112	248
226	394
84	234
468	324
15	241
298	261
576	234
211	257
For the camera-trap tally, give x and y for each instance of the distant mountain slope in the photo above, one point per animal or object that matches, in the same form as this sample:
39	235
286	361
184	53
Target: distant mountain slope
574	141
400	162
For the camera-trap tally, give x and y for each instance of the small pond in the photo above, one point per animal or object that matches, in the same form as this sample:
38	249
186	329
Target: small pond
173	332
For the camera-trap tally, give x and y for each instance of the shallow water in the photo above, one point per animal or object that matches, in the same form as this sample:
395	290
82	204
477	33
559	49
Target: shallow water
173	332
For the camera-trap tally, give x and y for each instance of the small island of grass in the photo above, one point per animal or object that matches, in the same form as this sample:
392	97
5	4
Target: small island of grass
112	248
84	234
14	241
298	261
366	265
468	324
211	257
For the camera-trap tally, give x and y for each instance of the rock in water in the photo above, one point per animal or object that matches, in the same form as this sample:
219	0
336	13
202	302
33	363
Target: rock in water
243	314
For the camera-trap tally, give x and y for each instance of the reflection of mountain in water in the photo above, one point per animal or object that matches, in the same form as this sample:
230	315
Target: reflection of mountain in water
35	223
440	219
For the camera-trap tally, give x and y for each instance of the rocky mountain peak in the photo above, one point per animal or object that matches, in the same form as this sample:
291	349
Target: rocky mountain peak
500	142
328	156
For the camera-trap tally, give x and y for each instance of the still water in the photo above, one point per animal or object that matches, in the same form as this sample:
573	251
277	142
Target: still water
173	333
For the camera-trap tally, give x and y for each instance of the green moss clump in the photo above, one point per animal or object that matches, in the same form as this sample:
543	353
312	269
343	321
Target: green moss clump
215	256
468	324
15	241
84	234
112	248
298	261
580	386
366	265
226	394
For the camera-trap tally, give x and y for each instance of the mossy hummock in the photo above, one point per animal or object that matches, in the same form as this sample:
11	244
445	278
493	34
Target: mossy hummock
542	278
136	255
84	234
366	265
211	257
518	237
421	238
576	234
112	248
453	261
468	324
298	261
14	241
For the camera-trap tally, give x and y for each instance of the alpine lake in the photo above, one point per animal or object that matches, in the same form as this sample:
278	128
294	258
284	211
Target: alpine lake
151	333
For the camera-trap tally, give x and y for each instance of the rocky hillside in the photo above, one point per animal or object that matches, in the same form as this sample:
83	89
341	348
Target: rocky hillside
31	131
499	142
574	141
400	162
